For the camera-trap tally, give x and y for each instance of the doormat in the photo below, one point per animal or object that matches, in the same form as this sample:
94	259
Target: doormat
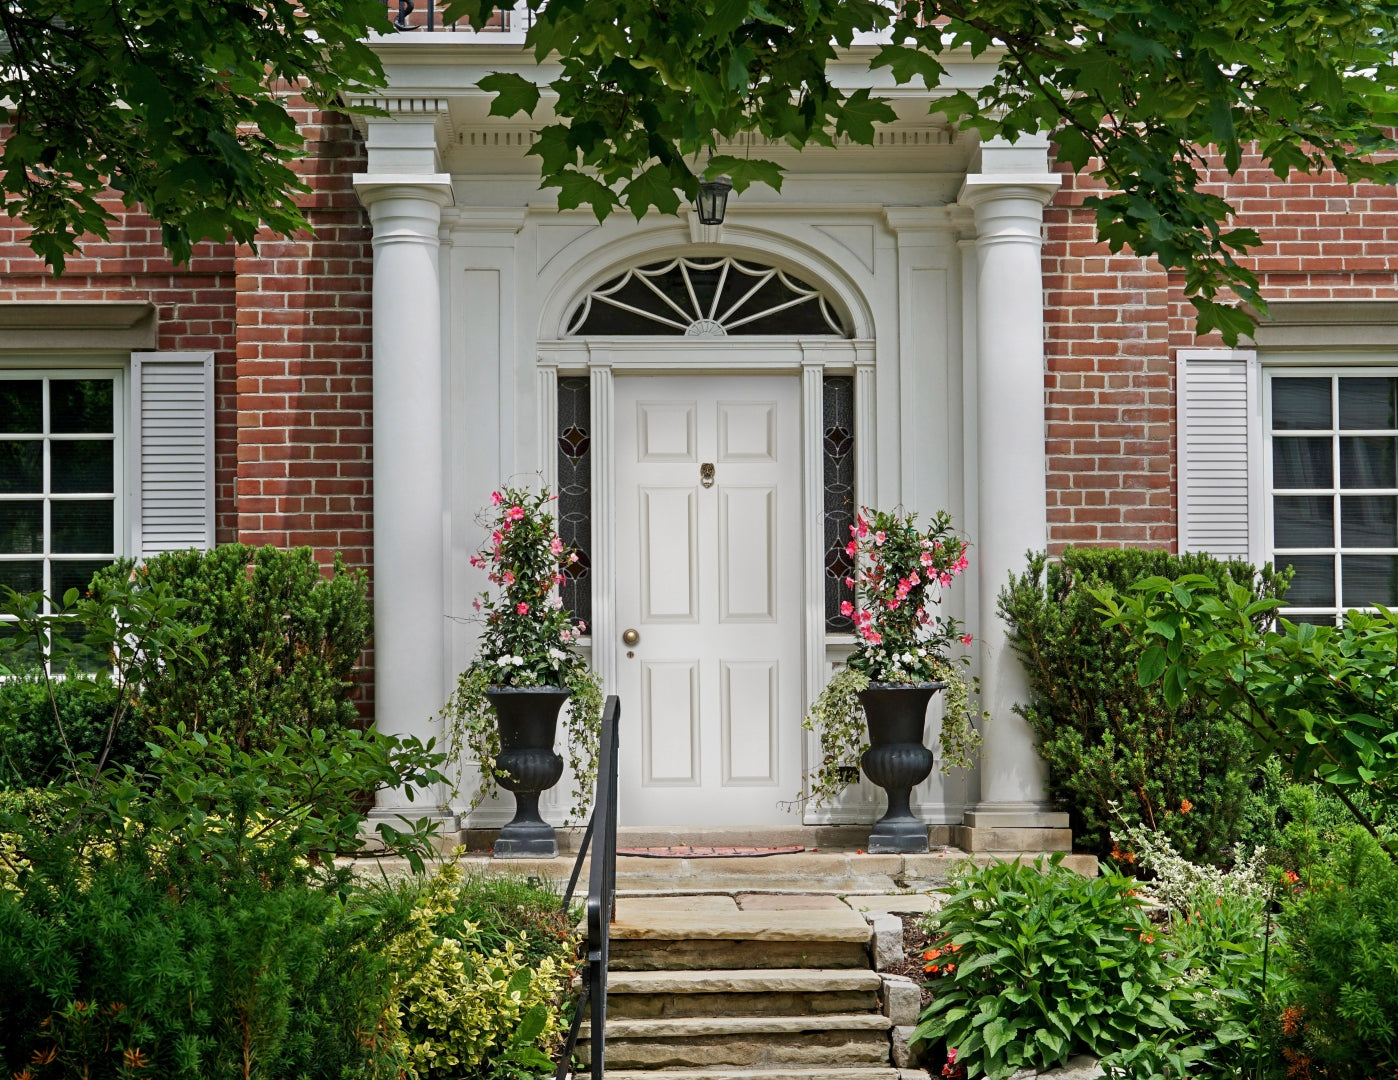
685	851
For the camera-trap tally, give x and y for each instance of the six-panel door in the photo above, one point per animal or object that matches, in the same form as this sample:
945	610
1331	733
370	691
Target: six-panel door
709	572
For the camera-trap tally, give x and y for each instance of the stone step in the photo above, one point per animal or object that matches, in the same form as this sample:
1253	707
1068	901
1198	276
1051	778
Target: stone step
728	1072
833	872
766	1041
771	992
660	936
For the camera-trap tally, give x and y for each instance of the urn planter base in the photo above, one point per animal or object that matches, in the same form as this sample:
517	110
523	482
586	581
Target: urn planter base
897	761
528	717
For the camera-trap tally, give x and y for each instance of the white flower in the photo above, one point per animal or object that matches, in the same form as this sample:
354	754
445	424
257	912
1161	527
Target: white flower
556	602
504	661
518	661
907	658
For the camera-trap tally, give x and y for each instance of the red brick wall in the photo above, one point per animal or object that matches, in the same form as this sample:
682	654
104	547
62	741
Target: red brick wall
1113	325
194	309
303	365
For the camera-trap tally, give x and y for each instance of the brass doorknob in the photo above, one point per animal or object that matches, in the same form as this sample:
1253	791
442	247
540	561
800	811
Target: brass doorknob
630	638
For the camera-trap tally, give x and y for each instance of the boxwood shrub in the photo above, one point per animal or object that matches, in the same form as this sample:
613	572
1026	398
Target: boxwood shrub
1109	741
281	646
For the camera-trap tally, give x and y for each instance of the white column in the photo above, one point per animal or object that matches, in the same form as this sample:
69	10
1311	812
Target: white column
1011	467
409	585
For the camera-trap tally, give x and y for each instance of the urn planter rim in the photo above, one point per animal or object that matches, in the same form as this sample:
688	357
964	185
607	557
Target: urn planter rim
493	689
936	685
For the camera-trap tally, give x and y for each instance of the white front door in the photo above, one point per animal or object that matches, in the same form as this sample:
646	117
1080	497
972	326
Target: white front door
709	571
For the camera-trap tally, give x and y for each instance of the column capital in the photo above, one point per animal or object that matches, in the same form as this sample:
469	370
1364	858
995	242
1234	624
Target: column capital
427	187
978	189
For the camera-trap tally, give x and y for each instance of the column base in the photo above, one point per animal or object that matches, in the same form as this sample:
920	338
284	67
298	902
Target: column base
1023	827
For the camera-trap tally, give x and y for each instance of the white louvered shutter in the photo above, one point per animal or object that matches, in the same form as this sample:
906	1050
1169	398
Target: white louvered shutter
1220	482
172	472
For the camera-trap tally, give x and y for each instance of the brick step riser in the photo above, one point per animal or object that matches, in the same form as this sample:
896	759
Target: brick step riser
823	1048
642	954
654	1006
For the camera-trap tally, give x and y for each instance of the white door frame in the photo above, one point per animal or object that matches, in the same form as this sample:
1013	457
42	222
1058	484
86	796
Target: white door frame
601	359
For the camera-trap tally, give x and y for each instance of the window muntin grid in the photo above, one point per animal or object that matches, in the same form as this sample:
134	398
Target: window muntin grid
60	476
1333	490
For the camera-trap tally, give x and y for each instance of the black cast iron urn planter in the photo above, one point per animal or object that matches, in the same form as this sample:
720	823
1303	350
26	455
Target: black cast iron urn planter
528	718
897	761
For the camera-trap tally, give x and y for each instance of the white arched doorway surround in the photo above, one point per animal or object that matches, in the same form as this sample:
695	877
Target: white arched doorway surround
808	360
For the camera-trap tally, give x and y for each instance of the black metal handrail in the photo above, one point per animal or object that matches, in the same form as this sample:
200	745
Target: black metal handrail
601	900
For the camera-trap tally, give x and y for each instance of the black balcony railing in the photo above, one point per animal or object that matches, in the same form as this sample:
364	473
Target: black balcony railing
422	15
601	902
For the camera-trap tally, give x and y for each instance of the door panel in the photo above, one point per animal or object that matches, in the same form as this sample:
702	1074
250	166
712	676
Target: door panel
710	578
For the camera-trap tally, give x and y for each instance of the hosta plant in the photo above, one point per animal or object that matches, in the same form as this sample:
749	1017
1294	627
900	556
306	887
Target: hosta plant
900	577
1046	964
528	639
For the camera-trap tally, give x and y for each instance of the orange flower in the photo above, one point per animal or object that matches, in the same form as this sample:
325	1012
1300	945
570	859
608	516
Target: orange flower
951	968
930	967
932	954
1186	806
1147	938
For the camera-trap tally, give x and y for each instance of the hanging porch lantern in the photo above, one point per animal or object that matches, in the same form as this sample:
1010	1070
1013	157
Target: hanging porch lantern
713	200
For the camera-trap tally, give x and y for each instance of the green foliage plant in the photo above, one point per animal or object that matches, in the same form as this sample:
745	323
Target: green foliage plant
281	643
899	579
1338	996
1148	97
528	639
32	751
1118	751
177	106
1323	698
1047	964
128	968
1217	981
476	1003
197	797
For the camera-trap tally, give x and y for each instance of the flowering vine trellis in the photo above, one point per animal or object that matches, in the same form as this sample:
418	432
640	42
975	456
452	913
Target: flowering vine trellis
528	639
898	583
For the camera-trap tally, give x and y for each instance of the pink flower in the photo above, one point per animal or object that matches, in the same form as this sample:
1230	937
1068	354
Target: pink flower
945	578
496	537
496	498
914	580
872	636
514	513
851	549
522	608
966	639
926	559
880	537
476	560
556	546
582	627
560	579
476	604
849	583
509	577
863	526
846	608
892	605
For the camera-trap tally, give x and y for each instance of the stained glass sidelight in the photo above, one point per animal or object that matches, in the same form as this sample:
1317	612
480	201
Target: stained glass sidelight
575	489
706	298
837	450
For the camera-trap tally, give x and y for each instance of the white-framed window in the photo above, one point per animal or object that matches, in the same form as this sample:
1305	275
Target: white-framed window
62	475
1331	474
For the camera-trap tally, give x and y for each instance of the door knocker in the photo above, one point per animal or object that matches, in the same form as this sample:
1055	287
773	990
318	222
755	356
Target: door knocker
706	474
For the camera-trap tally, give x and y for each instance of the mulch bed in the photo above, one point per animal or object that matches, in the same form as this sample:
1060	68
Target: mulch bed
915	942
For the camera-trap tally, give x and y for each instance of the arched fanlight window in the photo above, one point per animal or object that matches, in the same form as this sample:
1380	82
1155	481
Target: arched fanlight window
706	298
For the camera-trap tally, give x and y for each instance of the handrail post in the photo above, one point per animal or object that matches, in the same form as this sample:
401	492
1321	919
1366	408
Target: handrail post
601	896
